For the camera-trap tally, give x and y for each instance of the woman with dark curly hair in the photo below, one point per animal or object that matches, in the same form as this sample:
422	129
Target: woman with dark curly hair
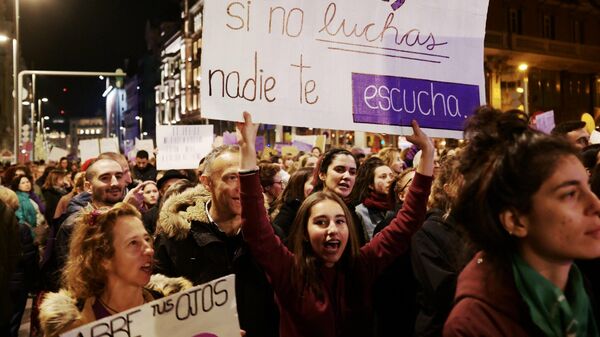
108	271
526	205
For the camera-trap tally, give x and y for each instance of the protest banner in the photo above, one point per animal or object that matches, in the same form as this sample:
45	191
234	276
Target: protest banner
56	153
205	310
231	138
182	146
88	148
595	137
346	65
145	144
545	121
109	145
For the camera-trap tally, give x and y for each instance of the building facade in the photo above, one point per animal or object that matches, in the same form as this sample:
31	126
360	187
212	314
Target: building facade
558	40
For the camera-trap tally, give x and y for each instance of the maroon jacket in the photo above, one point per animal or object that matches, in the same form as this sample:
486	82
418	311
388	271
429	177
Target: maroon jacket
488	304
346	309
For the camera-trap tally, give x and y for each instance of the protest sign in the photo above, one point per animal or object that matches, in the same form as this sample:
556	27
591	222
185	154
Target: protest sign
595	137
346	65
302	146
145	144
231	138
56	153
88	148
205	310
109	145
545	121
182	146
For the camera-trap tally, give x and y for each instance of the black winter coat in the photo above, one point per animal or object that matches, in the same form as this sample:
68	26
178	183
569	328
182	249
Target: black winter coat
52	197
199	251
394	294
438	254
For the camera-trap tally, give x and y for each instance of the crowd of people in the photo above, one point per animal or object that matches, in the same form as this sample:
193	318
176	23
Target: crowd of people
498	235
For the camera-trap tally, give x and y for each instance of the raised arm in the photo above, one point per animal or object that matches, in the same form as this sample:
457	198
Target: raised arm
265	246
395	238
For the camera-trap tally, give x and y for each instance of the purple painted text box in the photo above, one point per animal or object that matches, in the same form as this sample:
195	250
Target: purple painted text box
390	100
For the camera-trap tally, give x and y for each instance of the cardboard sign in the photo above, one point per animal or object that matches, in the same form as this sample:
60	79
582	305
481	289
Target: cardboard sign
545	121
206	310
88	148
145	144
56	153
595	137
182	146
346	65
231	138
109	145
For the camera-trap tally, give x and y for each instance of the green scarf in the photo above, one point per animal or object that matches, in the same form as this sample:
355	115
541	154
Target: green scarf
556	314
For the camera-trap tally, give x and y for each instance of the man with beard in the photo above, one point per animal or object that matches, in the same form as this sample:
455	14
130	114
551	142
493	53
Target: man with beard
105	182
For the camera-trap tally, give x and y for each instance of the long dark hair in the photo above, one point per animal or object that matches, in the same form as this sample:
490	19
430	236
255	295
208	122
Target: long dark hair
365	177
305	275
498	169
323	165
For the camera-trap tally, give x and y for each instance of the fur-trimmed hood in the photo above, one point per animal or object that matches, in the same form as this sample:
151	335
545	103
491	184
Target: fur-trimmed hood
59	312
179	210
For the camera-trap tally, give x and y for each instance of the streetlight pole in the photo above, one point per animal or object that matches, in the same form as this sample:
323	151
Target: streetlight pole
4	38
16	103
51	73
140	119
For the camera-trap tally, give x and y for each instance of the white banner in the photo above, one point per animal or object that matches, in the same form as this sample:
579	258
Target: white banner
207	310
109	145
366	65
88	148
56	153
182	146
145	144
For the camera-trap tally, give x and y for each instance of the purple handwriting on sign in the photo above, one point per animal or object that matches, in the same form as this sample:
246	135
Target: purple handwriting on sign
397	4
390	100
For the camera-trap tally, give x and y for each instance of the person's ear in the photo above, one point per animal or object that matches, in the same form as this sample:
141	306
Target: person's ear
322	176
87	186
106	264
206	182
515	224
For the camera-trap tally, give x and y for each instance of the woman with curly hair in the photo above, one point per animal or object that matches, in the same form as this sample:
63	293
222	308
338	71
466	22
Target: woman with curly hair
392	158
527	207
108	271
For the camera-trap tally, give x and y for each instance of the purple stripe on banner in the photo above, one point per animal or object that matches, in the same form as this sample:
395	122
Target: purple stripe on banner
391	100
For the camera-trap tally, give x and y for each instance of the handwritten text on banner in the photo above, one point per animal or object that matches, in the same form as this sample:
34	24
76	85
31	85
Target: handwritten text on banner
205	310
340	64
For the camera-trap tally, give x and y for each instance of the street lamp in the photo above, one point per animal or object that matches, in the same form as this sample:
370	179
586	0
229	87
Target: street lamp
523	68
140	119
4	38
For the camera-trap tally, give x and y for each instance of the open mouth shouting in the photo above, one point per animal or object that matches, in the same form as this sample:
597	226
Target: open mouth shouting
147	268
331	246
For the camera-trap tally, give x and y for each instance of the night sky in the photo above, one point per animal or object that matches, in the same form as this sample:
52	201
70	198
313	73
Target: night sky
85	35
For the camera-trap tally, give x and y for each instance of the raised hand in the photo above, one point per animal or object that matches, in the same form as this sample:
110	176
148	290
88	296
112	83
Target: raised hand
423	142
248	131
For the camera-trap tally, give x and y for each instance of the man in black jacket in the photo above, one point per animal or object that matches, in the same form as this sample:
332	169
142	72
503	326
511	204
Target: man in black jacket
199	237
143	170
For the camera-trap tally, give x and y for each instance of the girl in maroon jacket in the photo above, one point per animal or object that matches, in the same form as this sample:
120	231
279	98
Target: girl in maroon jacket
323	281
526	204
